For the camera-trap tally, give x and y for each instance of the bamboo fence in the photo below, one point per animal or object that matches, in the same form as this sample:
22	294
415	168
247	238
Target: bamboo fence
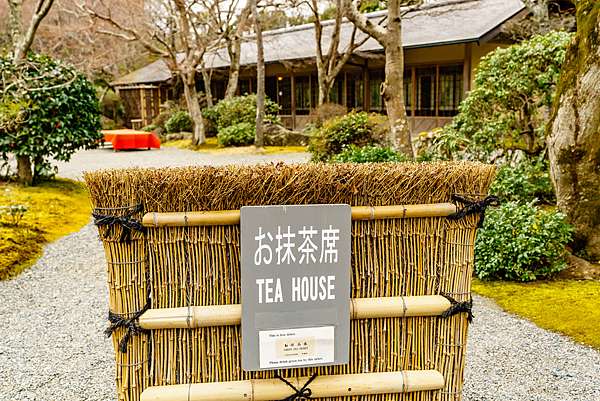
184	266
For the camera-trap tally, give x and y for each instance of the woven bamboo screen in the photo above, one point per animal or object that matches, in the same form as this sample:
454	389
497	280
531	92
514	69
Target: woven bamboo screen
183	266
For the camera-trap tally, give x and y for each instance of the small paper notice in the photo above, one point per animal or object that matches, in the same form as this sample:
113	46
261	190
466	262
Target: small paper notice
296	347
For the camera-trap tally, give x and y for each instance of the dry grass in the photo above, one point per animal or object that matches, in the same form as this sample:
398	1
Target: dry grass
565	306
211	146
55	209
200	265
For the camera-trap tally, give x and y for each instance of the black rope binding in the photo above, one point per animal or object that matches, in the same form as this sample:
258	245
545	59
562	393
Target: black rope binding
473	207
126	221
458	307
303	393
131	325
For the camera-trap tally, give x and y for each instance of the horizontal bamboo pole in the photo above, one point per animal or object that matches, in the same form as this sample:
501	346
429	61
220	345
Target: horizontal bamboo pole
321	387
229	315
232	217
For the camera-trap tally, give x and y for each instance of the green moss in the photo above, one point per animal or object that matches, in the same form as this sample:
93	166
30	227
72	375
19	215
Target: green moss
565	306
211	146
54	209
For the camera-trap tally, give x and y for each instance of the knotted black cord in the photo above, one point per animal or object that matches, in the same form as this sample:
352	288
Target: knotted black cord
131	325
125	221
473	207
458	307
302	393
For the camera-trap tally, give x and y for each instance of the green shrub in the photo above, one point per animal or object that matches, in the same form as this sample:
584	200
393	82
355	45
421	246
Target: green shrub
507	108
368	154
524	182
354	128
240	134
179	121
52	111
239	109
521	242
150	128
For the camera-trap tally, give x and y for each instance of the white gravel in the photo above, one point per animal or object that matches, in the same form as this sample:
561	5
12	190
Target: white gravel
53	314
95	159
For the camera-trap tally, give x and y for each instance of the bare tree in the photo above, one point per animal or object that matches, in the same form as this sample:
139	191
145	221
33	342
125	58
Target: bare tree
392	89
574	133
259	140
233	39
21	39
182	32
330	64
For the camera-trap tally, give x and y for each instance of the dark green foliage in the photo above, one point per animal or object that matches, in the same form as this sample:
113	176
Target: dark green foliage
521	242
179	121
524	182
48	110
507	108
368	154
240	134
239	109
354	128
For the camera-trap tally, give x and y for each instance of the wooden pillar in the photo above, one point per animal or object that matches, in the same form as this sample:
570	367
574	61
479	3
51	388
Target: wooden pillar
467	69
366	92
345	91
413	97
143	105
293	100
437	93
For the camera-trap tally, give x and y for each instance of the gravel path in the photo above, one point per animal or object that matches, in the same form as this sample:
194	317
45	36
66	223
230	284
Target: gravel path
50	353
165	157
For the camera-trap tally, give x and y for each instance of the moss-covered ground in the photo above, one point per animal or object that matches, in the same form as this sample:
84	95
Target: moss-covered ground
54	209
564	306
211	146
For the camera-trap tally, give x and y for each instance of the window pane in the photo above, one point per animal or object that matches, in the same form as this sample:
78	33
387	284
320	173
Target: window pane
354	92
284	94
271	88
244	86
302	95
451	89
375	80
407	81
425	91
335	94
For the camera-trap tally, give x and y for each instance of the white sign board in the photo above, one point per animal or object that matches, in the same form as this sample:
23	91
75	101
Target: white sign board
295	286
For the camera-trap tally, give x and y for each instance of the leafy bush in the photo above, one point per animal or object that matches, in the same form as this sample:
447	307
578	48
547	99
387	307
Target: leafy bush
150	128
240	134
524	182
239	109
521	242
52	111
354	128
508	106
179	121
368	154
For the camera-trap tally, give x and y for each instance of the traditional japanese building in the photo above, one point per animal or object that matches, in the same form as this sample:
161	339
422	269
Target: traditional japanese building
443	44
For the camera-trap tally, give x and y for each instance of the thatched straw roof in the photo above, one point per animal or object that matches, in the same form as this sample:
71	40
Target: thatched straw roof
436	23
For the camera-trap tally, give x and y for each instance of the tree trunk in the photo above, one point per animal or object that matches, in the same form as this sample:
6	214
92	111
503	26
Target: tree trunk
207	88
324	89
234	72
574	140
24	173
259	139
193	106
392	90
